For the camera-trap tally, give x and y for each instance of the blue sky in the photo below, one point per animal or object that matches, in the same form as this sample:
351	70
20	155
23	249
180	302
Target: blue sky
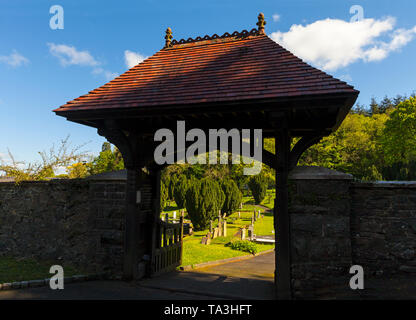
41	68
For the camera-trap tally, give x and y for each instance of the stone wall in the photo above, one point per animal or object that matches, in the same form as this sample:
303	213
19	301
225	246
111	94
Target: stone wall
75	222
337	223
383	227
319	208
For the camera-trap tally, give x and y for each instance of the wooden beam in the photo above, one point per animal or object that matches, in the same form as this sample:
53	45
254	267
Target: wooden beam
301	146
131	234
282	218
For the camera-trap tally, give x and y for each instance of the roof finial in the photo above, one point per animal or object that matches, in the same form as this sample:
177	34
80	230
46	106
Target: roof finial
168	37
261	22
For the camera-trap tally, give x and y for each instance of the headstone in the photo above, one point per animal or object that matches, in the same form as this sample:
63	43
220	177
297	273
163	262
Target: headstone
258	215
243	233
207	239
262	216
224	226
252	219
174	215
251	232
215	233
239	215
219	226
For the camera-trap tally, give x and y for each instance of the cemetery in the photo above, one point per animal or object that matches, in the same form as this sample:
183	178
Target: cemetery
144	222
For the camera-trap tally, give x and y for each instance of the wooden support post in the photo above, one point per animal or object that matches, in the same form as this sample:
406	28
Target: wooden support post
282	218
155	237
181	238
131	236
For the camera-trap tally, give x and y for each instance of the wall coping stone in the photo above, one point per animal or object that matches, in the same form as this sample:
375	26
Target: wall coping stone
385	184
119	175
317	173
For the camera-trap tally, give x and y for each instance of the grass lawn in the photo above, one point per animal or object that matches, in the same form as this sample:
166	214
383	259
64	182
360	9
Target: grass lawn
12	270
194	252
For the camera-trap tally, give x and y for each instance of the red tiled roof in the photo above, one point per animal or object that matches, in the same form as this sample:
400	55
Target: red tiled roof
241	66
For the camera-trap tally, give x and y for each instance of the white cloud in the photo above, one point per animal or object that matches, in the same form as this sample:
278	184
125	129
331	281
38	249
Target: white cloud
68	55
331	44
15	59
107	74
276	17
133	58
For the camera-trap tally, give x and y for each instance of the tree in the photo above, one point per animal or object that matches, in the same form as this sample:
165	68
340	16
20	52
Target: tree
179	192
172	182
51	160
258	187
398	140
108	160
77	170
202	202
163	196
232	195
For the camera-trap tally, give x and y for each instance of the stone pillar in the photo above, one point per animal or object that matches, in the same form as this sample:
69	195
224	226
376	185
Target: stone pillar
319	206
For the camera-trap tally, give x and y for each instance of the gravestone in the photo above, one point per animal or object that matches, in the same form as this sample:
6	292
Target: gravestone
243	233
224	226
215	233
207	239
251	232
239	215
174	215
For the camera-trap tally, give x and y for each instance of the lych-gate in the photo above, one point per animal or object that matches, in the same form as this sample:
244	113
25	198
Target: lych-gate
242	80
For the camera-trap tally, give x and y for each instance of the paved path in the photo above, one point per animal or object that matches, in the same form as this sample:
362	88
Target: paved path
247	279
260	268
251	279
99	290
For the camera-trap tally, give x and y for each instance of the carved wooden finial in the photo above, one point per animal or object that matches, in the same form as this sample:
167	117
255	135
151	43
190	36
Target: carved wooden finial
261	23
168	37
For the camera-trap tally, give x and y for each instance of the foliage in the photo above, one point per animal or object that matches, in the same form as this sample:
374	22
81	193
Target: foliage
51	160
204	199
179	192
258	186
77	170
232	195
171	188
164	194
108	160
244	245
399	135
